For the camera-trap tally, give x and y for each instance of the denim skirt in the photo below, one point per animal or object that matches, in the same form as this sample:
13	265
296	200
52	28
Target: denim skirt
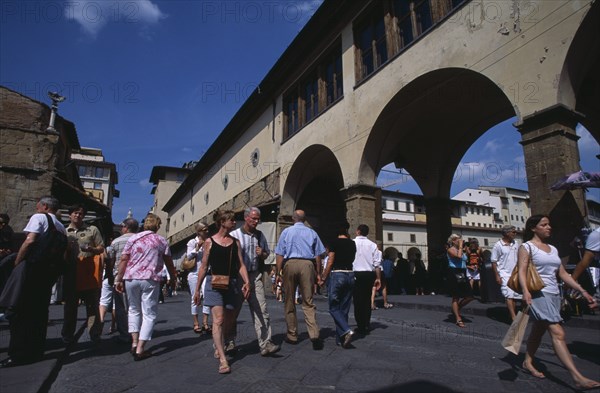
230	299
545	307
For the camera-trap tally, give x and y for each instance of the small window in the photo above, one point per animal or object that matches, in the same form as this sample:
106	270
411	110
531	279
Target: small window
486	242
413	238
82	170
97	185
390	237
99	173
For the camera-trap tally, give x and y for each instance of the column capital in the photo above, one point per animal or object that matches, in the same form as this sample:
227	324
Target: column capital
360	191
555	120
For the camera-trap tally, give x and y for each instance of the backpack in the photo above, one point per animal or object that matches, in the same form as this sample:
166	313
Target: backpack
50	250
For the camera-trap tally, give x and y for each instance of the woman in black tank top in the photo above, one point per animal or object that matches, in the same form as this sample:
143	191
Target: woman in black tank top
222	259
222	254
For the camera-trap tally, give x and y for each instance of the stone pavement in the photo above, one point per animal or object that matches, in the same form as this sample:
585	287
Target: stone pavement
413	347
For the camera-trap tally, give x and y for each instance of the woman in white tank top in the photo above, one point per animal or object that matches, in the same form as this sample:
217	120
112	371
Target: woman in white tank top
545	304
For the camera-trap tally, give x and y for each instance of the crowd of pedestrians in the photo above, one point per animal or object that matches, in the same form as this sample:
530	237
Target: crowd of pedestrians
227	268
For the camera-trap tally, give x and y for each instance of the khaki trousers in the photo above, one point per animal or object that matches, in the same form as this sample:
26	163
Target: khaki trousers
299	272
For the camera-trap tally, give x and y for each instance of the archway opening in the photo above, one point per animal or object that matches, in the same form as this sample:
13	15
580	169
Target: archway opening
313	184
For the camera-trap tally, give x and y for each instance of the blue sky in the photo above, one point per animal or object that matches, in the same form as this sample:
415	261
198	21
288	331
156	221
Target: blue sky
154	82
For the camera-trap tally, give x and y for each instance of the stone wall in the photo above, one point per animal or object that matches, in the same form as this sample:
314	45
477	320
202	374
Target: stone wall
28	156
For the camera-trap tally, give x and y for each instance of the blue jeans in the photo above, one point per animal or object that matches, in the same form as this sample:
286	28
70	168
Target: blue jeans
340	288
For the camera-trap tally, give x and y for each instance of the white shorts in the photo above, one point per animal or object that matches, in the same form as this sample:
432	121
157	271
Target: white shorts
106	296
473	274
507	292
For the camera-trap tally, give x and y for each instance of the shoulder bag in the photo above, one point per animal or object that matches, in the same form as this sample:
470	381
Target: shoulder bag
533	280
220	281
188	264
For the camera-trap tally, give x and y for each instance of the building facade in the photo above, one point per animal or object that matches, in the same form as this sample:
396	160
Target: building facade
413	83
35	162
166	181
98	176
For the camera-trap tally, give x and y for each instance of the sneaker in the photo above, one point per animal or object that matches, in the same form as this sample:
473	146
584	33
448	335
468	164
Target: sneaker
346	339
269	349
230	346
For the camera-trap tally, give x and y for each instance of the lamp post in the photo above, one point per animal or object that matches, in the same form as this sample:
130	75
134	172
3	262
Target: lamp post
56	99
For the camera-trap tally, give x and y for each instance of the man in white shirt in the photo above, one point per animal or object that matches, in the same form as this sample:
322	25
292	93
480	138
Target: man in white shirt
504	258
590	260
37	260
367	274
255	250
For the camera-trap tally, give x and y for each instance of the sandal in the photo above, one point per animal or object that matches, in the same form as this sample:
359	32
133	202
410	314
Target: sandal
224	367
374	308
141	356
388	305
197	329
206	329
460	324
133	348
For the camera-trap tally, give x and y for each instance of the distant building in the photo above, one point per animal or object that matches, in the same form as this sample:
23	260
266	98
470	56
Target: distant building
510	206
166	180
34	162
98	176
593	213
404	222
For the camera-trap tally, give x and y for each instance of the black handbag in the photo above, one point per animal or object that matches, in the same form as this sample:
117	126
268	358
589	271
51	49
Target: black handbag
460	277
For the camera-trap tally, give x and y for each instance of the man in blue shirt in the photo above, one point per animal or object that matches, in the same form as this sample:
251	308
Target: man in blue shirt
301	249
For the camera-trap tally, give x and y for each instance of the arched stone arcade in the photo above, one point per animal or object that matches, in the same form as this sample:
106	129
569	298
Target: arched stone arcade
426	129
313	184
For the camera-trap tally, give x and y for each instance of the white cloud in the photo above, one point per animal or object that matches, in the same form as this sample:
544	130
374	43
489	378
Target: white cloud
493	146
586	142
499	173
145	183
93	16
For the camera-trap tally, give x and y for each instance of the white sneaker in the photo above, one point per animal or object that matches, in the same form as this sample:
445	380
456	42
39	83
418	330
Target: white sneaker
230	346
269	349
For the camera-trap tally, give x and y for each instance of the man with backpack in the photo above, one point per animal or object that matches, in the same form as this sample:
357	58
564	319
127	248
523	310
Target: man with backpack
39	261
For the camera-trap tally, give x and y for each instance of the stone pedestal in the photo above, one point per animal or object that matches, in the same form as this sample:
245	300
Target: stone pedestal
550	146
363	206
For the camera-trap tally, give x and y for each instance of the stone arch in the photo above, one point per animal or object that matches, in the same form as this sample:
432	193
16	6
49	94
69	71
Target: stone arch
391	253
579	86
313	184
428	126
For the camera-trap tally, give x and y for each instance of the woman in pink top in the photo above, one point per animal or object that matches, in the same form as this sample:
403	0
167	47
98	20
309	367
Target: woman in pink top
141	262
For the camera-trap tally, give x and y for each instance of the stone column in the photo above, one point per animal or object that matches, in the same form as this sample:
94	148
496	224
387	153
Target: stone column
550	147
363	206
439	228
283	222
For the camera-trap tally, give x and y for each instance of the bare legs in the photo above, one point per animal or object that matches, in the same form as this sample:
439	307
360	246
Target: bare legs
222	320
457	304
560	348
510	304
